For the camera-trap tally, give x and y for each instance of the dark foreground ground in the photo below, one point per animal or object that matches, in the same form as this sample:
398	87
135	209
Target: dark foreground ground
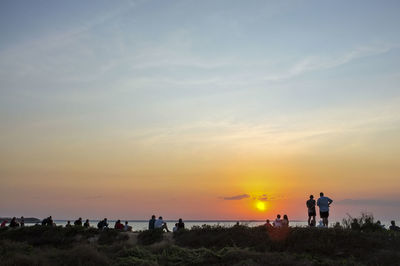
238	245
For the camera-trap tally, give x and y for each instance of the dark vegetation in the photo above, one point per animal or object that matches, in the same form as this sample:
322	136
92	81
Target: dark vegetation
346	244
150	236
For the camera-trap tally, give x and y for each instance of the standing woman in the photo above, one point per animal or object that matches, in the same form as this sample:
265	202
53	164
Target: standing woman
285	221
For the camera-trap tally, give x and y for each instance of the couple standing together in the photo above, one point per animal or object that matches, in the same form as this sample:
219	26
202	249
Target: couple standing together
323	203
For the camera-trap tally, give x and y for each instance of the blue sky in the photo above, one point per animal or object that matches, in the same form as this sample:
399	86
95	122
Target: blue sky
239	61
298	77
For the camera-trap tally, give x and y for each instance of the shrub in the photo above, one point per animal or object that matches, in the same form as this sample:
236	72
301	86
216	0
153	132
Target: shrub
363	223
137	255
149	237
219	237
110	236
80	255
45	235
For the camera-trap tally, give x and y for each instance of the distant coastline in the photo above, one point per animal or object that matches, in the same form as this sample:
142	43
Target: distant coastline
31	220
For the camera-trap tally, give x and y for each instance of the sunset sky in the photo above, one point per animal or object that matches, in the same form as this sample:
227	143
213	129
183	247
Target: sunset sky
199	109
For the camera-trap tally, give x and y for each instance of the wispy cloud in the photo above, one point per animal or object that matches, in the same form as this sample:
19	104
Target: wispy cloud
237	197
321	62
262	197
290	132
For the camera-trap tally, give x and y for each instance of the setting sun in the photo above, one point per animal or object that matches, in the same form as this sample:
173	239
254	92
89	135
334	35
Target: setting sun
260	206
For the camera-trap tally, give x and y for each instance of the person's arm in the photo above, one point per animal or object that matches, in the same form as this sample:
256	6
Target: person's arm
329	201
318	202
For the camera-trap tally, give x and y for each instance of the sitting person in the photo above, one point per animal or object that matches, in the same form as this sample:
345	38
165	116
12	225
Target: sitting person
78	222
151	222
102	224
393	226
181	224
268	225
175	228
355	225
48	221
68	224
379	225
118	225
14	223
22	221
3	224
278	222
127	227
285	221
161	224
86	224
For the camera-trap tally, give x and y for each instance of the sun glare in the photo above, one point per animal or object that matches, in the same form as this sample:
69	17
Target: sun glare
260	206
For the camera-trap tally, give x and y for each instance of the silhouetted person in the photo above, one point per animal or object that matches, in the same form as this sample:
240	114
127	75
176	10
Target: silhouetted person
102	224
14	223
152	222
161	224
78	222
127	227
3	223
86	224
268	225
323	204
118	225
311	211
181	224
355	225
285	221
394	227
22	221
68	224
278	221
48	221
379	225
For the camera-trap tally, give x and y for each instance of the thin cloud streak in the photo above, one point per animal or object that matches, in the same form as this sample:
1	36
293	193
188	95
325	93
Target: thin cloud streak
237	197
321	62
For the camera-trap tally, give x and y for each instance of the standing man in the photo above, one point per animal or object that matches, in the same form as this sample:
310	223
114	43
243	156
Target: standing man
311	211
323	204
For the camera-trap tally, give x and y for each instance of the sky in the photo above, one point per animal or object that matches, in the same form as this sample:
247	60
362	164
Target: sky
199	109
